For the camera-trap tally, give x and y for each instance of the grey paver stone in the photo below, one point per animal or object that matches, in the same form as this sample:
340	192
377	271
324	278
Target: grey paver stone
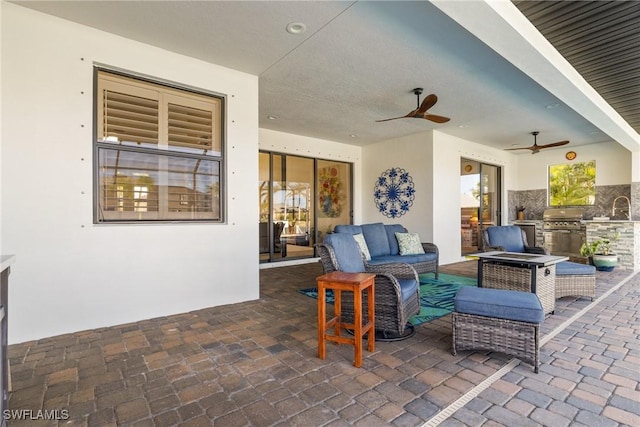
407	420
261	413
421	408
536	398
590	419
468	417
548	418
626	404
563	409
508	418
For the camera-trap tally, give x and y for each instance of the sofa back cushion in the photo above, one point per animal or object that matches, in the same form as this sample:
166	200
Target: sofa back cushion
348	228
376	237
507	236
346	251
392	229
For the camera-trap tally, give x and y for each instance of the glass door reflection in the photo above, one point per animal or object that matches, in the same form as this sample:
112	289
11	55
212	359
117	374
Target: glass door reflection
480	202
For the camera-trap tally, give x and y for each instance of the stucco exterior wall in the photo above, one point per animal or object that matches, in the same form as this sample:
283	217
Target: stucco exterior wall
70	274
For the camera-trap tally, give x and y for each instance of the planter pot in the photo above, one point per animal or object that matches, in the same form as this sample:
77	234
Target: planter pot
605	262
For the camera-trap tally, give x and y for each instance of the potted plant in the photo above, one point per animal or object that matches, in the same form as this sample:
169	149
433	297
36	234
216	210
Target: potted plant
588	249
603	258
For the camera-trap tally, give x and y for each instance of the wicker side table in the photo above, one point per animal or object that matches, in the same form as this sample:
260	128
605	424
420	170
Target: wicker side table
339	281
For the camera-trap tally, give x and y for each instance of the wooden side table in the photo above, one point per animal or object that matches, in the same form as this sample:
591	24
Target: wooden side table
352	282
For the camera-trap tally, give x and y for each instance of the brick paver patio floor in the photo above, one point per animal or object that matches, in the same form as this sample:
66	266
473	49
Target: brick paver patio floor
256	364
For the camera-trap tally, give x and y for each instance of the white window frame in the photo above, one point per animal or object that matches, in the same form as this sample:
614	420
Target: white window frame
188	184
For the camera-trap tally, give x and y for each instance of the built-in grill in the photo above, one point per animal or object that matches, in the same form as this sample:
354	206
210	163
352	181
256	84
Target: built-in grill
564	231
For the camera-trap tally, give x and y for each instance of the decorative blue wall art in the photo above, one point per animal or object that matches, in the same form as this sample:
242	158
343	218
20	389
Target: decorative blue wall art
394	192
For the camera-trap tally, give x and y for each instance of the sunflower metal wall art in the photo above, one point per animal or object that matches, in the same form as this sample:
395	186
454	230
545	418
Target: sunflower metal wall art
394	192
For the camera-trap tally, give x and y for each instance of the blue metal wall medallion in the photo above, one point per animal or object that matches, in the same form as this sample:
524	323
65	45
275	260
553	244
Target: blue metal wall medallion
394	192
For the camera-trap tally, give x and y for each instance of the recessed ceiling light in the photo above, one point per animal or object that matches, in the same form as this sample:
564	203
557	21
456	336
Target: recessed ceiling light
516	145
296	28
462	126
353	135
272	117
552	106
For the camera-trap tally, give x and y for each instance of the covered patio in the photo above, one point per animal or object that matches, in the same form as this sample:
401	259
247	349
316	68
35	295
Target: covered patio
255	363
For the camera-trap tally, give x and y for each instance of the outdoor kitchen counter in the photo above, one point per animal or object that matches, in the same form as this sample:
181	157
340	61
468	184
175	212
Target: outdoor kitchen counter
627	247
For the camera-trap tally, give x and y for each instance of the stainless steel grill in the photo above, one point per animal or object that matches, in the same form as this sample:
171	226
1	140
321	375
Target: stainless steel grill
562	219
563	231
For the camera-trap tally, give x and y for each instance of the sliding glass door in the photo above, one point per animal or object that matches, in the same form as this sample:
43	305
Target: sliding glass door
480	202
297	195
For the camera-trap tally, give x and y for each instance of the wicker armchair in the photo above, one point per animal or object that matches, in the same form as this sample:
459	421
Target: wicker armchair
397	290
509	238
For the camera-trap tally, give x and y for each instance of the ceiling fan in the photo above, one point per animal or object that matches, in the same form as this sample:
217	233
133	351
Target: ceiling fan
421	110
535	148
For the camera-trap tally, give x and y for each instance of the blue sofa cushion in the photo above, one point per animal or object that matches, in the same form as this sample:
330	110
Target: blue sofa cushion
499	303
507	236
408	288
346	251
376	237
348	228
567	268
409	259
392	229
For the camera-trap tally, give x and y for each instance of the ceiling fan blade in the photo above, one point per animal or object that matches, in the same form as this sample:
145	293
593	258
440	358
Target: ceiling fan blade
421	112
555	144
428	102
521	148
435	118
394	118
411	114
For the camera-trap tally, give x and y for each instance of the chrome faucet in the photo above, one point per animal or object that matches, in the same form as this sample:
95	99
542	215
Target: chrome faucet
627	213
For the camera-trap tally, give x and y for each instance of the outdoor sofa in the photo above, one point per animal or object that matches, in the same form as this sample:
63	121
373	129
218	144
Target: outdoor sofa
380	245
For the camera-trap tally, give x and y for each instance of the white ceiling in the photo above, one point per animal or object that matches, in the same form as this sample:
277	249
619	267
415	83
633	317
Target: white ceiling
358	62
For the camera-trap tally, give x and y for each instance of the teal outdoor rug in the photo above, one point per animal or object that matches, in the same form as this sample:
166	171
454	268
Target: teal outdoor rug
436	296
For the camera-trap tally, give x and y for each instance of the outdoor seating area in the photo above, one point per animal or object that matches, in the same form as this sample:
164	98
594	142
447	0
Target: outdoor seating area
380	245
256	363
396	285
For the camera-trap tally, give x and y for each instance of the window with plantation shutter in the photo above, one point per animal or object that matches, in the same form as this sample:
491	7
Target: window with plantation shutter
159	152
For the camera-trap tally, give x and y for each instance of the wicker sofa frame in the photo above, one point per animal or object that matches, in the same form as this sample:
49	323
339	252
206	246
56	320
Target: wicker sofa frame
427	266
391	315
515	338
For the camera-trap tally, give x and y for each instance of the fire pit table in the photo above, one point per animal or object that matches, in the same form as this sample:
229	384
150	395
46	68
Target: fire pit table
520	272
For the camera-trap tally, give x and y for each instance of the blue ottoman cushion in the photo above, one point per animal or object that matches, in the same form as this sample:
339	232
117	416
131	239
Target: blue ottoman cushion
499	303
567	268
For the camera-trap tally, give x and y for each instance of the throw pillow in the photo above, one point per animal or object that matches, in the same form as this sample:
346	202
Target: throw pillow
409	243
359	238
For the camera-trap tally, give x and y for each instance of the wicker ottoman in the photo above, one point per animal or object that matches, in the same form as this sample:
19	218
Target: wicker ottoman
573	279
498	320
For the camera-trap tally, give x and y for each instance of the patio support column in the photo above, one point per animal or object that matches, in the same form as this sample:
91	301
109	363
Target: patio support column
635	185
